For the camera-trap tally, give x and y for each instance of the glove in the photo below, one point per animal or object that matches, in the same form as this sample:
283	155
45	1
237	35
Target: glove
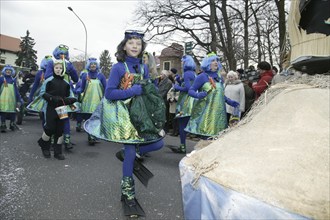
136	89
201	95
70	100
177	87
231	102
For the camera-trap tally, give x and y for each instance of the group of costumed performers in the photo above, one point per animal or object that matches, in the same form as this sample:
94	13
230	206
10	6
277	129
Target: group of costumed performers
56	94
131	112
90	93
185	102
61	52
9	98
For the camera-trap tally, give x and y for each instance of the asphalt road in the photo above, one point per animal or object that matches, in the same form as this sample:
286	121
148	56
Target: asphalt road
86	185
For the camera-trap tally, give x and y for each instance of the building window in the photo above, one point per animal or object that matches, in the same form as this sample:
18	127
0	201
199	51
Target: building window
2	61
167	65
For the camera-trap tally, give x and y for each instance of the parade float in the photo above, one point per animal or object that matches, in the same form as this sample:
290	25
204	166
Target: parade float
275	163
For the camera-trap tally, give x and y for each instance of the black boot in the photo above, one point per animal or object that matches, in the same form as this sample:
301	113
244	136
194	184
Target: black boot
58	152
91	140
3	127
13	126
45	145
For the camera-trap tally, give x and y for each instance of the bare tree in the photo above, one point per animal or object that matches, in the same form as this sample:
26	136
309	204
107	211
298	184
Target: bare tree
240	30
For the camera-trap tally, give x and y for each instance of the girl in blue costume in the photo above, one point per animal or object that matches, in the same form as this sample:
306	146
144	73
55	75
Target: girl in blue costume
112	121
61	52
209	115
92	86
9	96
185	102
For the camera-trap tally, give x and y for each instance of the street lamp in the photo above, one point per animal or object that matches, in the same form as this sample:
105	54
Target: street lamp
85	32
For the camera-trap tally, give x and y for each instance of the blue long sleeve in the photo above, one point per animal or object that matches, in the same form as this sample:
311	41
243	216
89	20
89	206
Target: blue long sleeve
188	77
200	80
36	84
113	91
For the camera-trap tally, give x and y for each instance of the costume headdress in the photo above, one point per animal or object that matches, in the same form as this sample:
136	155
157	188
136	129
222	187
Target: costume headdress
133	34
90	61
8	67
188	63
56	62
61	50
45	61
206	63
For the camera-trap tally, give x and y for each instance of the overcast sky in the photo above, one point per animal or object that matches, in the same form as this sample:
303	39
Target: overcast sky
51	23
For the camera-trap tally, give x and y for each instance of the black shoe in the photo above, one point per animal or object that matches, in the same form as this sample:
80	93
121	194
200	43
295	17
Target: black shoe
45	145
58	152
13	127
3	128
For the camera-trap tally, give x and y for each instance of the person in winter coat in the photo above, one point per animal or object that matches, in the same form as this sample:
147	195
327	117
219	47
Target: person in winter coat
234	89
266	76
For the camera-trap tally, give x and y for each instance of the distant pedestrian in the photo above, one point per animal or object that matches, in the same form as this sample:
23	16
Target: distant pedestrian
266	76
234	90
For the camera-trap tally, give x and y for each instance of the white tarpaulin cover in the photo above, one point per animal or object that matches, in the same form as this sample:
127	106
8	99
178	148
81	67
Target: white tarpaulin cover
274	167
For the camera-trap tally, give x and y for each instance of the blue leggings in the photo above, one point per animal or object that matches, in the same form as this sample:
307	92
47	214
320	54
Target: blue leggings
82	116
9	116
130	153
182	125
66	129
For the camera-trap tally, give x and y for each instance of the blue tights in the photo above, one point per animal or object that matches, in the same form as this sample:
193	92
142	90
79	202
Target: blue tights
130	153
182	125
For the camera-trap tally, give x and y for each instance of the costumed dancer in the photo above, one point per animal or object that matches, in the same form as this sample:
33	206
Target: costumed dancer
61	52
79	118
9	97
34	96
185	102
209	115
132	113
92	86
56	94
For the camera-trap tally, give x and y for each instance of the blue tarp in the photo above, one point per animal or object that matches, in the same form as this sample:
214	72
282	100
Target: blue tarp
206	199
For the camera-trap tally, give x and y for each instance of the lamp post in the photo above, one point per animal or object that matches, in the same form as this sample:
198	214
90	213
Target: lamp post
85	32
